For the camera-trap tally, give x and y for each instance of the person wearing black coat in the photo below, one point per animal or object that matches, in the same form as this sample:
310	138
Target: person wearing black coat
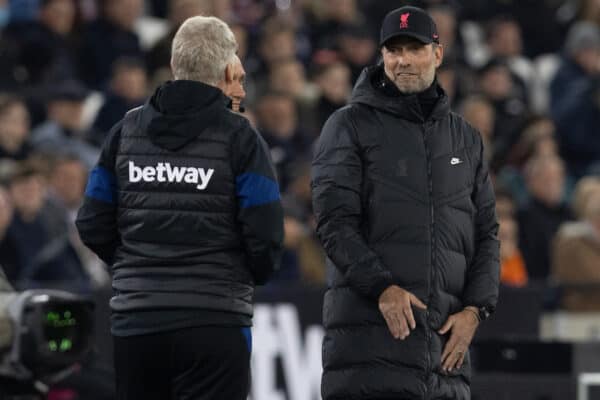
185	207
406	213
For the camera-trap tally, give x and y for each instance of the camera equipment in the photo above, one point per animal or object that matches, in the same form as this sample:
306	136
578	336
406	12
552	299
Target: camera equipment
43	334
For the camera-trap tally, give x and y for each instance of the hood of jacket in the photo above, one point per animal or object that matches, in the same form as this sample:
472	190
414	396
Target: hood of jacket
179	111
366	91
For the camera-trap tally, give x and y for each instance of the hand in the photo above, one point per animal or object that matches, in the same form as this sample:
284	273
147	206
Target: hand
462	326
395	306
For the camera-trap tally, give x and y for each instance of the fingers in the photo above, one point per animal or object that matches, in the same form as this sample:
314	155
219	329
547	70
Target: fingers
396	306
404	331
461	359
450	345
444	329
410	318
454	360
414	300
392	323
397	323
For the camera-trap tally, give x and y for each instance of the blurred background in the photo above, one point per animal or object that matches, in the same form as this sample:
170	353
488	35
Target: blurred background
525	73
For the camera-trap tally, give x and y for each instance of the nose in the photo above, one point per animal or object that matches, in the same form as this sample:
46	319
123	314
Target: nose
402	60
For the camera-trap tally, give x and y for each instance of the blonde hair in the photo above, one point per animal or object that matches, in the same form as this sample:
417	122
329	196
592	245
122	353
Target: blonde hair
201	50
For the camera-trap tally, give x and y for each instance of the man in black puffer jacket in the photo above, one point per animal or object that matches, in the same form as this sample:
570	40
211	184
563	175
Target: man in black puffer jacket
185	207
406	213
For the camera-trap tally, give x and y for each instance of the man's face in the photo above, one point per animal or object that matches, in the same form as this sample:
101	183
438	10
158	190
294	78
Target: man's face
411	64
235	90
59	16
27	194
68	181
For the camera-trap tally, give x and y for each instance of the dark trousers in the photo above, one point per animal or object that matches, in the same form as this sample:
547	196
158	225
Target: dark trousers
204	363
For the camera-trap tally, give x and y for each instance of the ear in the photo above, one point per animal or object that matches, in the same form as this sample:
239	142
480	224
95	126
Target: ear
438	53
229	74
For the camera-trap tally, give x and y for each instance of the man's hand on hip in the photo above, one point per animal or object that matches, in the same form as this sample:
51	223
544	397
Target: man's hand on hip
461	326
395	305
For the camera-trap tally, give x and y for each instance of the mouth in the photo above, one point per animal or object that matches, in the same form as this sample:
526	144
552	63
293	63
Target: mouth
405	74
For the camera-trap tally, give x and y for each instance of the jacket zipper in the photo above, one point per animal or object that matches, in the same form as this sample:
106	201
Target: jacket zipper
432	267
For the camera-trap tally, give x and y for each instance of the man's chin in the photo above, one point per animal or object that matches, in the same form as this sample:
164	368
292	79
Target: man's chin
407	89
412	88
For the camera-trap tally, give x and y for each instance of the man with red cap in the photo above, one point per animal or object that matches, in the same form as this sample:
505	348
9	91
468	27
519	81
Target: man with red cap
406	213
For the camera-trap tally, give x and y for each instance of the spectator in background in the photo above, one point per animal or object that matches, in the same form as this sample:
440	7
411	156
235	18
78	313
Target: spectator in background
47	49
505	42
11	77
334	82
159	55
277	42
277	120
23	10
507	96
62	132
512	266
7	257
334	15
108	38
289	77
576	251
543	214
589	10
448	79
357	47
575	99
67	181
14	128
536	140
5	13
303	259
128	89
241	37
480	113
505	203
36	250
66	184
445	19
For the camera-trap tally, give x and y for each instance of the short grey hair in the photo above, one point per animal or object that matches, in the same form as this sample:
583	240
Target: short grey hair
202	48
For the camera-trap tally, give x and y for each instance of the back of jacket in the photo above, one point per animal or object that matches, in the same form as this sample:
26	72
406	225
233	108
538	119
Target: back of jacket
195	208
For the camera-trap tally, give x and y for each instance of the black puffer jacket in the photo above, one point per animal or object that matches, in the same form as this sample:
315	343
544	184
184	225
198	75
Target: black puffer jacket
400	200
185	206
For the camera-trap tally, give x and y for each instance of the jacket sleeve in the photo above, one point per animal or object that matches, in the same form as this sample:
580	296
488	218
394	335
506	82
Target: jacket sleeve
337	172
97	217
259	209
483	275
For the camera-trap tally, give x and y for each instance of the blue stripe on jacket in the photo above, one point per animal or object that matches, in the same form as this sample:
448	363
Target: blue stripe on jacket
255	190
248	336
102	185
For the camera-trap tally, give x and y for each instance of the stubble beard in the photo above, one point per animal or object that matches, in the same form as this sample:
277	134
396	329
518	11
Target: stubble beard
417	84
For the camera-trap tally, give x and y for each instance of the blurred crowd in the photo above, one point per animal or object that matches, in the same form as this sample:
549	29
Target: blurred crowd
525	73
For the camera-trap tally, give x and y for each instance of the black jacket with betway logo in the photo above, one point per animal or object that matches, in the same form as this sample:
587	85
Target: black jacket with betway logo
185	207
402	196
